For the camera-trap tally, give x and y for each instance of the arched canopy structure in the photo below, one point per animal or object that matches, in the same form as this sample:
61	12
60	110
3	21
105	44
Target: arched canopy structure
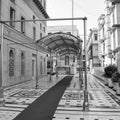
61	43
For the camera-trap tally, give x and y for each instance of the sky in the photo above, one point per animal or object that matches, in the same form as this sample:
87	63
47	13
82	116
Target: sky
92	9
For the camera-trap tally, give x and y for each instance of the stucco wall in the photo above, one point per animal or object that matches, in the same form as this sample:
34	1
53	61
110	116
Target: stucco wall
17	41
22	9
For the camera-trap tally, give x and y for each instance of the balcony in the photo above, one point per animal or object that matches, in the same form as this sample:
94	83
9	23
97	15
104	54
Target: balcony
102	39
115	1
116	25
111	29
111	8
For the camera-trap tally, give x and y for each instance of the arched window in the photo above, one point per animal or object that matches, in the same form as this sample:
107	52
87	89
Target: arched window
11	62
22	63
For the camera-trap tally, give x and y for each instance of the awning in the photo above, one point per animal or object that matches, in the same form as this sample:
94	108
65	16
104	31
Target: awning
61	43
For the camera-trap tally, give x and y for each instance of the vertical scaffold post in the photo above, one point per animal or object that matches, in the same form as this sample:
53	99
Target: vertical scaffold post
37	79
85	103
80	66
1	66
50	66
56	65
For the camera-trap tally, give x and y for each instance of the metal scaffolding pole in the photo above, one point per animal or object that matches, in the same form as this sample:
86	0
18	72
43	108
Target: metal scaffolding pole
2	66
85	103
72	15
56	65
37	79
50	66
54	19
80	67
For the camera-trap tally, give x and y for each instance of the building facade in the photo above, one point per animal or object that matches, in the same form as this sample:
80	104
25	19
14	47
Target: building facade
109	34
93	60
21	59
102	42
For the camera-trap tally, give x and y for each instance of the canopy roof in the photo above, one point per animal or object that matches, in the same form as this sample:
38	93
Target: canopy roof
61	43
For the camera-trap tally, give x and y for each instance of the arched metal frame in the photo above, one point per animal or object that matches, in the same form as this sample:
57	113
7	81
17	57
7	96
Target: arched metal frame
59	41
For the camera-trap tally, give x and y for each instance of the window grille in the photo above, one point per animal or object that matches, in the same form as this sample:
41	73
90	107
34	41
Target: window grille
22	63
12	17
11	62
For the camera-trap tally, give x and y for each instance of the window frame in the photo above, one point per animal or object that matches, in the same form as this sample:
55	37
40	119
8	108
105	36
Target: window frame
11	61
95	36
22	63
12	16
22	25
34	33
13	1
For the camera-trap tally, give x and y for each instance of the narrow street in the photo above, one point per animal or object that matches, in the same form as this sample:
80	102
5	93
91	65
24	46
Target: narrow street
103	103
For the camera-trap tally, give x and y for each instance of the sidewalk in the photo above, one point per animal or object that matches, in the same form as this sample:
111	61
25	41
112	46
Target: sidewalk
98	75
31	84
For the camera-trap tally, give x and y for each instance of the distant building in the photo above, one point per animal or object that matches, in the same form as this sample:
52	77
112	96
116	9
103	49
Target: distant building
19	48
93	60
63	28
68	59
102	49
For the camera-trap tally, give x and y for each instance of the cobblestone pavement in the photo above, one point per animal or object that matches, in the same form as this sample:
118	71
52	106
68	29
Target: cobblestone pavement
103	103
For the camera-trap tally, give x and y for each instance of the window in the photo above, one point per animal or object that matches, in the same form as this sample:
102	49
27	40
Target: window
34	33
49	33
95	37
33	18
44	65
41	26
40	35
23	25
44	29
41	2
22	63
66	60
11	62
44	4
73	58
12	16
48	64
13	1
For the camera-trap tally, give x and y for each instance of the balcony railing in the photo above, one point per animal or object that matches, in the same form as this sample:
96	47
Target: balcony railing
111	29
102	39
115	1
116	25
